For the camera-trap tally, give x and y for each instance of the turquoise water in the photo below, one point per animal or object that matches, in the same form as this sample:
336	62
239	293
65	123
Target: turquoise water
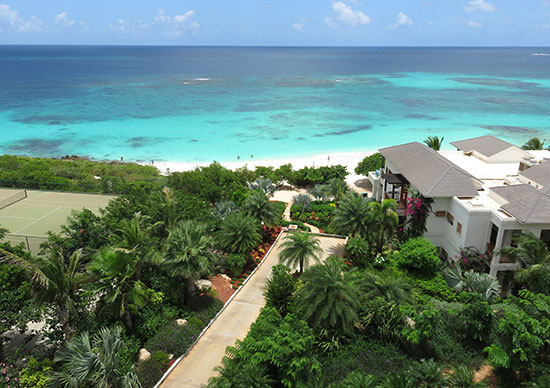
203	104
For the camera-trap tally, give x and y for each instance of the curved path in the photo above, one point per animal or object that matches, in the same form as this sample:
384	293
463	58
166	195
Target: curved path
234	322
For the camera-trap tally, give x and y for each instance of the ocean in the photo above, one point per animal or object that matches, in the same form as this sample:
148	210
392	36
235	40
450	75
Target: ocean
199	104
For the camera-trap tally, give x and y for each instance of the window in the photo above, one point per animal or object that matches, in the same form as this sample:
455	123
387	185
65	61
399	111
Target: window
450	218
545	236
440	213
458	227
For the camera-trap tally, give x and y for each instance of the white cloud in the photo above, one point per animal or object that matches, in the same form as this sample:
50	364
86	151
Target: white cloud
298	27
178	22
473	23
63	19
9	17
479	5
402	20
346	15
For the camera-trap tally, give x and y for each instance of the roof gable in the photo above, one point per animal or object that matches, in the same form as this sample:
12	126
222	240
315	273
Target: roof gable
525	203
430	173
539	174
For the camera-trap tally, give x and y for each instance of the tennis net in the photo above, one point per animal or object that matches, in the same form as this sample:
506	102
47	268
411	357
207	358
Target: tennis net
13	199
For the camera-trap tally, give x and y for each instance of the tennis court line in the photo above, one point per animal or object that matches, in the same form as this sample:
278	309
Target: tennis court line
23	218
38	219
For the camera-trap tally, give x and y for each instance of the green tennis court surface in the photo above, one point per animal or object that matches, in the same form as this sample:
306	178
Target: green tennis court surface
38	212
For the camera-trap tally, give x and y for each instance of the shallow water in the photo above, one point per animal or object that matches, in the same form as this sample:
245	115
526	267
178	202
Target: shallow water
194	104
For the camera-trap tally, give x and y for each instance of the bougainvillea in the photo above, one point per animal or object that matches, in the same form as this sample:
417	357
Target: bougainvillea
417	211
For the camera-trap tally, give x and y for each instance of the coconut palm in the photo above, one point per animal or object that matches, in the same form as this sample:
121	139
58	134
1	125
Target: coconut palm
383	221
319	192
434	142
482	283
54	281
264	185
391	288
239	233
303	201
113	272
298	248
189	253
337	188
258	206
329	299
224	208
533	257
352	216
534	144
164	211
134	238
93	363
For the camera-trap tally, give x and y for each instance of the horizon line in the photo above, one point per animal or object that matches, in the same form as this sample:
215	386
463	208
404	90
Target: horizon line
262	46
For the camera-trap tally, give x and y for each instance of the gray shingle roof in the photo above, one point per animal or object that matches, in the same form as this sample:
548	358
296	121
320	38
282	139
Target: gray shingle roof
525	203
539	174
430	173
485	145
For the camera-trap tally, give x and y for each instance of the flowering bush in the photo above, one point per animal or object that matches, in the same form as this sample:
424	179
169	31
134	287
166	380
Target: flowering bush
470	258
9	376
417	210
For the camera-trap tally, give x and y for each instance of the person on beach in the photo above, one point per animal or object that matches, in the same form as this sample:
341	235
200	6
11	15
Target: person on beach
238	157
328	158
251	156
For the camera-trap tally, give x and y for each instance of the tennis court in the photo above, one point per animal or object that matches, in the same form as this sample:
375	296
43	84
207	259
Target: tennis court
30	214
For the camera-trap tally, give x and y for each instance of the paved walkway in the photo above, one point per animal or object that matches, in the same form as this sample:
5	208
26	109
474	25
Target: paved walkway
233	323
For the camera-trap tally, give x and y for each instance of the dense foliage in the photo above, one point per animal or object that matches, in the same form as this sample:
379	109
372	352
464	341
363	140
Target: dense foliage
370	163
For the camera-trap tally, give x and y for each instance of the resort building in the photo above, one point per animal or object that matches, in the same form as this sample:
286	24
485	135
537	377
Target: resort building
484	192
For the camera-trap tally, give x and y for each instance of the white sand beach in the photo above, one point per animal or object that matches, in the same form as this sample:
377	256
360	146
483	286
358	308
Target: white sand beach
348	159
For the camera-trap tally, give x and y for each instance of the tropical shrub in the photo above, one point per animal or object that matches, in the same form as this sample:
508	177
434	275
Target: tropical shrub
370	163
175	339
235	263
358	252
35	374
418	255
152	318
239	233
279	289
150	371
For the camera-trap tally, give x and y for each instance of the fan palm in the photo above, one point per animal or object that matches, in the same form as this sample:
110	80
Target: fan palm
54	281
319	192
329	299
383	221
351	217
533	256
258	206
239	233
93	363
534	144
224	208
164	210
434	142
298	248
303	201
189	253
482	283
462	377
391	288
114	274
264	185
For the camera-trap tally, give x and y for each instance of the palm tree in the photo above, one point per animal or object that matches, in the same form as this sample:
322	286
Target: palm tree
189	253
482	283
462	377
279	289
337	188
534	144
224	208
264	185
113	272
358	251
329	299
391	288
319	192
428	374
533	256
351	217
93	363
258	206
239	233
303	201
164	210
54	281
298	248
134	238
234	374
434	142
383	221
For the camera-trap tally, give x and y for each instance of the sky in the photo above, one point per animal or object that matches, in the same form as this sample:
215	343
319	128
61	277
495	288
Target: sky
277	22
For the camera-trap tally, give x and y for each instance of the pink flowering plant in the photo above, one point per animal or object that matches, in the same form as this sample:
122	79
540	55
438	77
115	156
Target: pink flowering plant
417	211
470	258
9	376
